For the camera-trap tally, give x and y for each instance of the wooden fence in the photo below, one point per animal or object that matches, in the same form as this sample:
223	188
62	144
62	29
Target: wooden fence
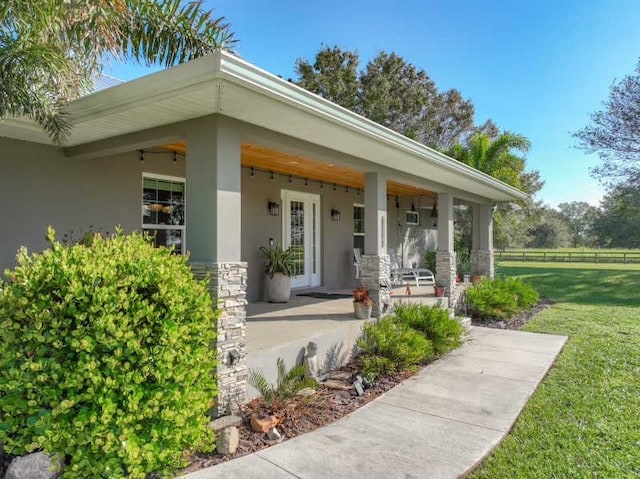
570	256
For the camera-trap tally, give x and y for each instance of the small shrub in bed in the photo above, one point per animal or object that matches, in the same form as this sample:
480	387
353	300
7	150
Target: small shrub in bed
501	299
106	357
388	346
444	332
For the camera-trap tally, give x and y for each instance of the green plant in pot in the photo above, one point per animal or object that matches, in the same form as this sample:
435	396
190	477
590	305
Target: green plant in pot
279	268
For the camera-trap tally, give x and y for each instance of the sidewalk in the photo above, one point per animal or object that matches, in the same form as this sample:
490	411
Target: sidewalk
437	424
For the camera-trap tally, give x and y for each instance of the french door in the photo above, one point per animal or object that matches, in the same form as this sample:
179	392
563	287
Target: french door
301	232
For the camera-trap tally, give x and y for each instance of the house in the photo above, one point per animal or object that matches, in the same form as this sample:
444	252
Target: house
218	157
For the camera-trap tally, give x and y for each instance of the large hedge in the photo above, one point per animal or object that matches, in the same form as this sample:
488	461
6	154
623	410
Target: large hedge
106	357
501	298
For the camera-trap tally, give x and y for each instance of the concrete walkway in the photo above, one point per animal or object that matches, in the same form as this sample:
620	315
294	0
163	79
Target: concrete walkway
437	424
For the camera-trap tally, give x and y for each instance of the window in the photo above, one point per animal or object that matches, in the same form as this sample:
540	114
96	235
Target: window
412	218
163	210
358	227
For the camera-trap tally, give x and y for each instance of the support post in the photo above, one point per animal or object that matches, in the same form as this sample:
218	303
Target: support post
213	205
376	273
482	257
446	255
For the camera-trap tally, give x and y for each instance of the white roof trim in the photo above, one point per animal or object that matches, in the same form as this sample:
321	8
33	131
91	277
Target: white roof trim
209	84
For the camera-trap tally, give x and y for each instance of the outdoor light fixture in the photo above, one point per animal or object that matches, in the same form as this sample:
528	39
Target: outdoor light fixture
434	210
274	208
335	214
175	156
253	173
141	155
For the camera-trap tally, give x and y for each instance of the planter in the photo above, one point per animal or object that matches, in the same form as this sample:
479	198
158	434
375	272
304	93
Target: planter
467	278
476	278
278	288
440	291
361	310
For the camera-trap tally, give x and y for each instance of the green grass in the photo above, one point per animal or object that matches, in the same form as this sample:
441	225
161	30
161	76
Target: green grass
584	419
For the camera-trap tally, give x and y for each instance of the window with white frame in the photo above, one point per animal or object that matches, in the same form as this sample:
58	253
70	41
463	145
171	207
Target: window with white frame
163	210
358	227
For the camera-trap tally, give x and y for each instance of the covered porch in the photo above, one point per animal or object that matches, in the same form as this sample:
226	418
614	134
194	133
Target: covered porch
245	139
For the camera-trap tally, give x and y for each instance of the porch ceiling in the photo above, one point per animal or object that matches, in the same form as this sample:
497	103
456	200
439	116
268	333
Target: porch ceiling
267	159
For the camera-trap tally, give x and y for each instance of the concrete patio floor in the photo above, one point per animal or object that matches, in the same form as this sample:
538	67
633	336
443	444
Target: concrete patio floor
438	424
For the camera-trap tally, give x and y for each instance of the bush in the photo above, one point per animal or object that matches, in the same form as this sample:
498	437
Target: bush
106	357
501	298
445	333
388	346
287	384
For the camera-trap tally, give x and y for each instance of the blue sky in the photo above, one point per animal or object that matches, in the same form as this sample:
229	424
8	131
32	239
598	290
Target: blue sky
538	67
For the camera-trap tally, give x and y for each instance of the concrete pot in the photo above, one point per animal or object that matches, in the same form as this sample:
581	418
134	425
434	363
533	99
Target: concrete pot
361	310
278	288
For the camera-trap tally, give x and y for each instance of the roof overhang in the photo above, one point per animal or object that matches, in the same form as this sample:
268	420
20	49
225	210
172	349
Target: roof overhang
223	83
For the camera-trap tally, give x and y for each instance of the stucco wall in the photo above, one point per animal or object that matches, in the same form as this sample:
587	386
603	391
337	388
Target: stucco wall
411	241
41	187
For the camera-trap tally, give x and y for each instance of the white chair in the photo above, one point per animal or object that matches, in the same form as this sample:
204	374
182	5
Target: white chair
357	261
399	274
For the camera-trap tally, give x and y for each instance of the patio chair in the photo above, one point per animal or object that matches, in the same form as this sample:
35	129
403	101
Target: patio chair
399	274
357	261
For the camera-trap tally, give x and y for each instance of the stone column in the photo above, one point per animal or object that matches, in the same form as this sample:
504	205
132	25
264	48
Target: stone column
213	238
376	274
446	255
228	288
482	260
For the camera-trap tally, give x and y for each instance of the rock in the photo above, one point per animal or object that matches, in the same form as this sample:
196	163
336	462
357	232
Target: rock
338	384
274	435
263	424
359	388
225	421
306	392
502	325
341	375
33	466
311	361
228	440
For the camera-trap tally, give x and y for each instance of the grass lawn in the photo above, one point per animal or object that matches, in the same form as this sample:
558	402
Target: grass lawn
584	419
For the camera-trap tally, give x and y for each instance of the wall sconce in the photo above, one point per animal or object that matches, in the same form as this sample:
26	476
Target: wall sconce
335	214
274	208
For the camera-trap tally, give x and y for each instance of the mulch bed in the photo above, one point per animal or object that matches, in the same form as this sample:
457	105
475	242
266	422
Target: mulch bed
300	415
517	321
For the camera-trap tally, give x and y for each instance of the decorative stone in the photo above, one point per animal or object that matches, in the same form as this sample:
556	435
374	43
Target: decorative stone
33	466
376	277
311	361
263	423
225	421
306	392
228	288
228	441
482	262
359	388
274	435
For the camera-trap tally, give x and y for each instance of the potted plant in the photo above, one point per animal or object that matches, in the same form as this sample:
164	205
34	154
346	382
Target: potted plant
464	266
440	289
279	268
362	303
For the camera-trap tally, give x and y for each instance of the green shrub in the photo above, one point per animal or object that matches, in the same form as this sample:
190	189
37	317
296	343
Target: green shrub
445	333
287	384
106	357
398	345
501	298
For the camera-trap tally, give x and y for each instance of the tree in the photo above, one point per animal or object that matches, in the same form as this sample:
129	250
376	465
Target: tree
552	231
580	216
51	50
615	132
618	224
333	75
389	91
495	157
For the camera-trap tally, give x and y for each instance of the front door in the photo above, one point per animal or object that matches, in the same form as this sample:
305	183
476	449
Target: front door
301	232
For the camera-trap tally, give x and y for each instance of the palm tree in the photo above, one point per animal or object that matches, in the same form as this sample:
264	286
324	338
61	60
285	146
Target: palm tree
495	156
52	50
